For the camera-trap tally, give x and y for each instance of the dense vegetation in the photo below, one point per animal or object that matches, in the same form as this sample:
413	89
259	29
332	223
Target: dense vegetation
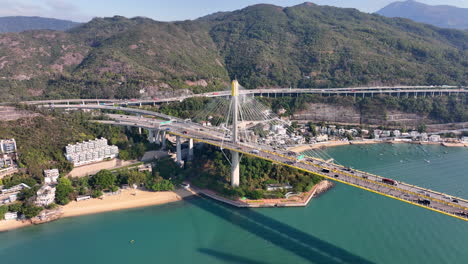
263	46
211	170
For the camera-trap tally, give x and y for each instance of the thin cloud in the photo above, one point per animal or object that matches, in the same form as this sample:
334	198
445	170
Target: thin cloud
60	9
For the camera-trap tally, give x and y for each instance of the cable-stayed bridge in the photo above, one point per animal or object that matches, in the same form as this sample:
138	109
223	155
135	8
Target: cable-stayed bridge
233	134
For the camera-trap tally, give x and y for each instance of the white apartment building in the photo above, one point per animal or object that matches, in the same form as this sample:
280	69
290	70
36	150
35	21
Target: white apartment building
51	176
86	152
7	146
45	195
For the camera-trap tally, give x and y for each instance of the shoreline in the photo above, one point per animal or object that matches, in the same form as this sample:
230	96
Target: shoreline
127	199
329	144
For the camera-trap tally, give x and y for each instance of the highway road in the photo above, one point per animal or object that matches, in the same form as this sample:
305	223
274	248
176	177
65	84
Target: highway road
429	199
354	91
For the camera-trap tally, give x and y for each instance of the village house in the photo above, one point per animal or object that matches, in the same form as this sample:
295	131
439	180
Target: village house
51	176
45	196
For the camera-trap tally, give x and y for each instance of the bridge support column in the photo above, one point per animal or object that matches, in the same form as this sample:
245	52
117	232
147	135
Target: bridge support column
235	168
179	150
163	140
190	149
156	137
151	136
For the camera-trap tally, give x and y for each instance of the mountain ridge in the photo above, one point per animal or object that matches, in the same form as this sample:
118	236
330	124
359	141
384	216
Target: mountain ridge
262	45
24	23
444	16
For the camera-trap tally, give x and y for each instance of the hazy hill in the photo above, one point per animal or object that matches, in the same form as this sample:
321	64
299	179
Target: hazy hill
442	15
23	23
262	45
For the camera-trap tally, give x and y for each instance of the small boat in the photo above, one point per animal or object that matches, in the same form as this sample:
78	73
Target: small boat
132	241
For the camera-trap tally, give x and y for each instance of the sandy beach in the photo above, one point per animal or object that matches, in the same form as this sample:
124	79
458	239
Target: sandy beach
125	200
13	224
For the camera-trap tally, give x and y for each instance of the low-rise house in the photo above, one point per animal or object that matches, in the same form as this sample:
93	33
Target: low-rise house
51	176
277	187
414	134
434	138
396	133
321	138
464	139
16	188
83	197
424	137
45	195
11	215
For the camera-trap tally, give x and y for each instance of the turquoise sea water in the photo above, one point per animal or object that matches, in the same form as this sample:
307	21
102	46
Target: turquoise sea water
346	225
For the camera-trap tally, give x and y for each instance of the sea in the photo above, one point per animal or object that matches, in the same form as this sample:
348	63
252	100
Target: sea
344	225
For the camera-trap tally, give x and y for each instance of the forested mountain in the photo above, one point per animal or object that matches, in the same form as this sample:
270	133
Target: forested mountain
262	45
442	15
23	23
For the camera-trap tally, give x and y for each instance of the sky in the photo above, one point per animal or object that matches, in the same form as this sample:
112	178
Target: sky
169	10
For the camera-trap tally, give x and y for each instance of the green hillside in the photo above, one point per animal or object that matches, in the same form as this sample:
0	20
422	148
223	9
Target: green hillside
262	45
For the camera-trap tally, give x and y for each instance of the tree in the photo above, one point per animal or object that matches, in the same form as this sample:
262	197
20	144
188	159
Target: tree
63	191
422	128
137	178
27	193
3	210
30	210
103	180
16	207
96	194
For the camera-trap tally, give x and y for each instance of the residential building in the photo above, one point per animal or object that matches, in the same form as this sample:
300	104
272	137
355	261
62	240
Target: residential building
86	152
51	176
8	146
396	133
434	138
6	161
321	138
424	137
11	215
464	139
45	195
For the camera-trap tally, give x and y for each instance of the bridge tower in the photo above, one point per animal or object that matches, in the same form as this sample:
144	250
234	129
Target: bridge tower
235	166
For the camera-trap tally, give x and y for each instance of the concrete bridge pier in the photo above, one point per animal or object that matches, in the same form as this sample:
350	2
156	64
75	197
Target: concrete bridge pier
163	139
190	149
235	168
151	136
156	137
179	149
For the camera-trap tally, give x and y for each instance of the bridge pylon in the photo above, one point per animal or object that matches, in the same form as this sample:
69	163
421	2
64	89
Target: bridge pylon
235	178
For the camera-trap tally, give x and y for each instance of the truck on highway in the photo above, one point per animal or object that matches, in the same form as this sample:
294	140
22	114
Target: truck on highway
255	151
424	202
389	181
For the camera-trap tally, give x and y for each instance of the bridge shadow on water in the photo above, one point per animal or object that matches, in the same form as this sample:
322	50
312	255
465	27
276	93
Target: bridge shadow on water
310	248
